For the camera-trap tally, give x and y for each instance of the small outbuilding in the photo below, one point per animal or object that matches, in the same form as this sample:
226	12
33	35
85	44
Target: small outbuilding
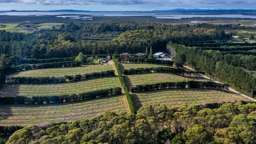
124	56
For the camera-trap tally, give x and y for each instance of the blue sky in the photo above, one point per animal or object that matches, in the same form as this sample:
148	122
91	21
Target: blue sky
117	5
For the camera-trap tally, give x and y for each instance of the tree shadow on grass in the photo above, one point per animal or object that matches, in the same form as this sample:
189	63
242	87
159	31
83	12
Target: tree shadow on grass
136	101
5	112
6	104
128	82
135	98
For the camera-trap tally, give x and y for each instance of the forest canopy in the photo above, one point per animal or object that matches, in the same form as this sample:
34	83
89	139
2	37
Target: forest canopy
101	38
226	123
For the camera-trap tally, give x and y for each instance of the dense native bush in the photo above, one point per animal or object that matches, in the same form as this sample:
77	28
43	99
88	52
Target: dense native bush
214	123
103	38
6	132
179	85
56	80
215	65
64	99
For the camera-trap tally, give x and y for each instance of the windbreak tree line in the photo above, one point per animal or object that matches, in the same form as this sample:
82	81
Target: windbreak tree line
176	71
3	70
45	65
14	60
218	66
61	99
246	61
56	80
197	85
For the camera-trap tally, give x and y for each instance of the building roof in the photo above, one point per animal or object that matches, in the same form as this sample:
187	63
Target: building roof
164	59
158	53
124	54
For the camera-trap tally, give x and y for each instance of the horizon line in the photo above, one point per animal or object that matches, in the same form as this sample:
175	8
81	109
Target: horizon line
172	9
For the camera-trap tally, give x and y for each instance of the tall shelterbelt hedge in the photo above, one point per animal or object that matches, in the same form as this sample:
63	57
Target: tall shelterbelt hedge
216	65
61	99
197	85
124	85
168	70
63	79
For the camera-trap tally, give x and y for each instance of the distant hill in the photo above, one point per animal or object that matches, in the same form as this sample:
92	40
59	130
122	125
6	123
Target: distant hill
173	11
209	11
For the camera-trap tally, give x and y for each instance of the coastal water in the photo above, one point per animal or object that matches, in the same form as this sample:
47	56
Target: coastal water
153	14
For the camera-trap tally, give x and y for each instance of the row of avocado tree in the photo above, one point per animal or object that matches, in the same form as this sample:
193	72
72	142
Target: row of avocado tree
18	60
228	49
180	85
44	65
62	99
170	70
217	44
224	68
124	85
141	60
56	80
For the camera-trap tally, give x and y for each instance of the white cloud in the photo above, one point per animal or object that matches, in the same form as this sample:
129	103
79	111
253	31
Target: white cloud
209	3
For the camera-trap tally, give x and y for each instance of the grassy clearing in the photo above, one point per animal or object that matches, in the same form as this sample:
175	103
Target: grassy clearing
59	72
60	89
135	66
10	27
17	28
27	27
24	116
154	78
187	97
44	26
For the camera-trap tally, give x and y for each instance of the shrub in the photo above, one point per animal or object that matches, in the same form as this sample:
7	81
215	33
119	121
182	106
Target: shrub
80	58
